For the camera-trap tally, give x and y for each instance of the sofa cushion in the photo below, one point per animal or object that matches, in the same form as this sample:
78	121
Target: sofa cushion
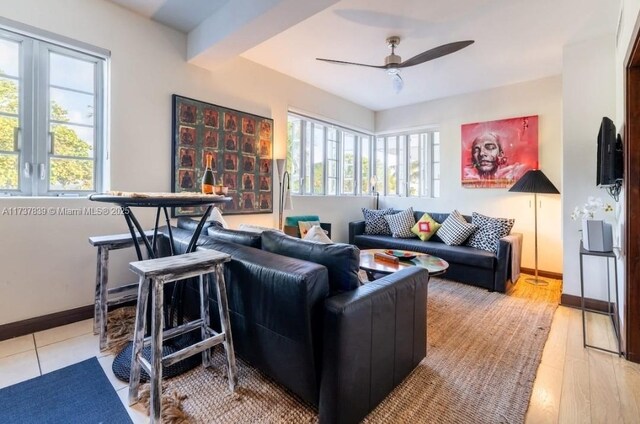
374	222
426	227
342	260
191	224
246	238
489	231
455	229
453	254
401	223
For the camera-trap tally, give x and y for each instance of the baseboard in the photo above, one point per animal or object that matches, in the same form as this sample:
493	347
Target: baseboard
541	273
594	304
45	322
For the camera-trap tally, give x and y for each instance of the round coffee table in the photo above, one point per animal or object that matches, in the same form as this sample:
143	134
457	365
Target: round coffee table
368	263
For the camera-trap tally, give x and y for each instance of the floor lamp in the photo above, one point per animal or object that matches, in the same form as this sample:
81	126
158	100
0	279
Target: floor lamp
284	203
535	182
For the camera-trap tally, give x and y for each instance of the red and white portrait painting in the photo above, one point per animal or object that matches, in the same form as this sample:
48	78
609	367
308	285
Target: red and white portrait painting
495	154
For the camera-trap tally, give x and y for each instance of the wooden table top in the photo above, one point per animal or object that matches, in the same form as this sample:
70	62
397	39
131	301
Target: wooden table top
158	199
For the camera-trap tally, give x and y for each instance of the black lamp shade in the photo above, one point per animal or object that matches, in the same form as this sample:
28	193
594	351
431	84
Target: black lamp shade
534	181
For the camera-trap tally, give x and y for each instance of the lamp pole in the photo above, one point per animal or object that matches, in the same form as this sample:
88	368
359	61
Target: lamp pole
283	189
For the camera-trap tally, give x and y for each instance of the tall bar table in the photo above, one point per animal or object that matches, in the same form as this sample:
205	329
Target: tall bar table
160	201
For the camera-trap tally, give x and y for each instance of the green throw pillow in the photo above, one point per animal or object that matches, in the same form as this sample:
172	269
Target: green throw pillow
425	227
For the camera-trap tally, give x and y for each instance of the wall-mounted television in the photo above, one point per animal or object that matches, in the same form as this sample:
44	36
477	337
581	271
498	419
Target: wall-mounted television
609	165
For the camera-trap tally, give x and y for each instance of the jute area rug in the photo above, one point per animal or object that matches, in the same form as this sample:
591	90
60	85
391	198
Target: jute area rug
482	355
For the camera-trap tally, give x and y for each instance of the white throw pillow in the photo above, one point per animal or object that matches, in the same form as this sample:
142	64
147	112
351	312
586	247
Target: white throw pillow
316	233
216	215
305	226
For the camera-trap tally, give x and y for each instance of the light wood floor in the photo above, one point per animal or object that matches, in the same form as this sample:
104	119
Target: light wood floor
578	385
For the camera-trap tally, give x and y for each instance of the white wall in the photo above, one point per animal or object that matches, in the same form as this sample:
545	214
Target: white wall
46	263
588	94
541	97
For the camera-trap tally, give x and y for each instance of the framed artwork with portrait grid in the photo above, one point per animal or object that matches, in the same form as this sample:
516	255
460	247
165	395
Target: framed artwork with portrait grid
241	148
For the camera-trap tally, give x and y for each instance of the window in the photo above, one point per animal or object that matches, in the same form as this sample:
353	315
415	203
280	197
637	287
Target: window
328	159
325	159
51	118
409	164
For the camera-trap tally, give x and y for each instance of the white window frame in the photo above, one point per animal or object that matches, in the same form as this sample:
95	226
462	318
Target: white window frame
33	138
426	159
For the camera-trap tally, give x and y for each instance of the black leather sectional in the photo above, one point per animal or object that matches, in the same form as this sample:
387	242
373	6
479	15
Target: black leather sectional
299	314
469	265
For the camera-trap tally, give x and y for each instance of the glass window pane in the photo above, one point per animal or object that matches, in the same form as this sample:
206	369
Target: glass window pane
9	96
436	188
436	137
332	169
402	165
70	72
9	57
332	150
380	166
365	157
293	153
8	133
307	159
9	171
436	171
392	165
436	153
318	159
332	186
348	162
70	174
72	140
414	165
69	106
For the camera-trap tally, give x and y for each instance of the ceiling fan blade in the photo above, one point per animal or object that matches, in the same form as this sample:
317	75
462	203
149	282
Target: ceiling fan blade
341	62
435	53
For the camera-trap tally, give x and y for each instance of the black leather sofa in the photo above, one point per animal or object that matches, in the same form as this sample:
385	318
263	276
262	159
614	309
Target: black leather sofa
469	265
340	349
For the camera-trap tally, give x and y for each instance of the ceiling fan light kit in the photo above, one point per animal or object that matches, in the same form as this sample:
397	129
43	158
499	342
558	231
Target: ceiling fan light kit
393	63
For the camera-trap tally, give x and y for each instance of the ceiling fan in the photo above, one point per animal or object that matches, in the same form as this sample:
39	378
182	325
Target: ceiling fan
393	63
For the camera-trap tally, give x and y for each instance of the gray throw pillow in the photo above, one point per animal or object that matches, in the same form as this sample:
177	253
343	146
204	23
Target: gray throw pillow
401	223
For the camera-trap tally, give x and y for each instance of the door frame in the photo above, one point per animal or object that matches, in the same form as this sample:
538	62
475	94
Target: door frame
631	335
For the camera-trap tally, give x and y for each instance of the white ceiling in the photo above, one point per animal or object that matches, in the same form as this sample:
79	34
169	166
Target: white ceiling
515	40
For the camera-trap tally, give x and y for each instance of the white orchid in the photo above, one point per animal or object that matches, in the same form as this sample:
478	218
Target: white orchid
588	211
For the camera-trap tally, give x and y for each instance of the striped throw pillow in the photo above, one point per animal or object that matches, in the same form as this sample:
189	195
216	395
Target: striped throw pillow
455	229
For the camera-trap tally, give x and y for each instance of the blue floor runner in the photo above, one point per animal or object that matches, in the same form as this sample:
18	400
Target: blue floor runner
80	393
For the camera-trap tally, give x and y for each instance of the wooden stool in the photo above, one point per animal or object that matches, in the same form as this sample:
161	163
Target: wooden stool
105	297
153	274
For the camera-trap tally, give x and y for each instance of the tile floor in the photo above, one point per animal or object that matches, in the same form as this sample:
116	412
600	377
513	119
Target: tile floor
572	384
29	356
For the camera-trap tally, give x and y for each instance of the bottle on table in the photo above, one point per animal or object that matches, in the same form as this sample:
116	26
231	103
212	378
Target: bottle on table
208	180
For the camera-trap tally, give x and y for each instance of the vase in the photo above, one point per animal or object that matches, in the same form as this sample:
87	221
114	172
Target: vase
597	235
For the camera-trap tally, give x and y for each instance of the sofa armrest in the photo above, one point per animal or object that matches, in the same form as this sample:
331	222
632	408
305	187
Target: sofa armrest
509	250
356	228
374	336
